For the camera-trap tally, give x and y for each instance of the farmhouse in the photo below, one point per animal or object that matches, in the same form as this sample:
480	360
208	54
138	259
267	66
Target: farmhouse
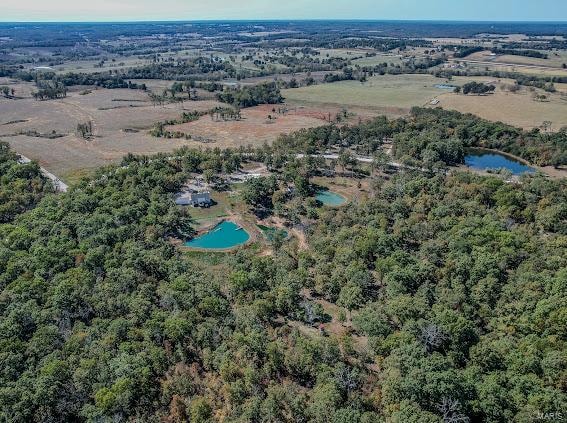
195	199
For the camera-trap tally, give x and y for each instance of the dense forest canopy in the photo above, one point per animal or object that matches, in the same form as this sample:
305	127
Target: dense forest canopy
456	283
432	136
268	93
21	184
432	295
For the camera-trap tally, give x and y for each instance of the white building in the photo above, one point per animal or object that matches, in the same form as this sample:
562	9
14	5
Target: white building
195	199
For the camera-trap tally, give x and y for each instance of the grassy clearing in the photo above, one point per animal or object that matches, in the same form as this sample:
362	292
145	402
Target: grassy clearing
522	69
351	189
378	60
393	94
342	53
224	203
517	109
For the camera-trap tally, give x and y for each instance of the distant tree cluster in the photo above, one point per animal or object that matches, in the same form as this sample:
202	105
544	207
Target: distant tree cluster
7	91
50	90
477	88
159	129
464	51
525	53
104	80
85	130
268	93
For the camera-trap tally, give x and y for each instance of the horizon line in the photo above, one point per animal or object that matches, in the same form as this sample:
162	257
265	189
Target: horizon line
104	21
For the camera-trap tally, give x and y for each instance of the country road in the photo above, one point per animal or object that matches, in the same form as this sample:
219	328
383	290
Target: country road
59	185
516	65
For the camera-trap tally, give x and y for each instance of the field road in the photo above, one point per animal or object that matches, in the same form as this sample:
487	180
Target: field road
59	185
360	159
512	65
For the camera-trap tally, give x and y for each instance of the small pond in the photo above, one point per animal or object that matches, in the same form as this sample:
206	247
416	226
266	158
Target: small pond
489	160
330	198
446	87
270	232
223	236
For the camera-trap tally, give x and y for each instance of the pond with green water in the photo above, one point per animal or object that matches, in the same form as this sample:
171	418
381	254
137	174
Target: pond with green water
330	198
223	236
270	232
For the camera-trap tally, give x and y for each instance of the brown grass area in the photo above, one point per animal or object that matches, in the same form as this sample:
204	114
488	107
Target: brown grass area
518	109
253	128
121	121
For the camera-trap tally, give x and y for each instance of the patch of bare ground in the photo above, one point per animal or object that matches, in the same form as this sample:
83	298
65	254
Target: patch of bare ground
255	127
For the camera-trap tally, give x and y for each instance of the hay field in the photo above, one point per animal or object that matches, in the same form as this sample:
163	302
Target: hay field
121	121
518	109
344	53
388	94
378	60
395	95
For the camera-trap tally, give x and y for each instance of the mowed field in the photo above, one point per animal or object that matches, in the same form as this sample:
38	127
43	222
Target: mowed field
255	127
388	94
518	109
395	95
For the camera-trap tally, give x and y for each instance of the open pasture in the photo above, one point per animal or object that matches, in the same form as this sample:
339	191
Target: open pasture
121	121
389	94
395	95
518	109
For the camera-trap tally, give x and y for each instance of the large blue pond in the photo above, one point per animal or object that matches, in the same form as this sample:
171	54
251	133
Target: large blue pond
330	198
484	160
221	237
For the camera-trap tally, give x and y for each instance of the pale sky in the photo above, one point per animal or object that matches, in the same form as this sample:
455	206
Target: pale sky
128	10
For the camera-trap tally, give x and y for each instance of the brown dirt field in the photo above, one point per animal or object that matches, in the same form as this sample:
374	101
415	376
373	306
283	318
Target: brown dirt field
254	128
